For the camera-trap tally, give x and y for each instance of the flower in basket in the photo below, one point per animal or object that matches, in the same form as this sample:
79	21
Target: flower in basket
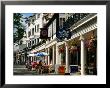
61	49
92	44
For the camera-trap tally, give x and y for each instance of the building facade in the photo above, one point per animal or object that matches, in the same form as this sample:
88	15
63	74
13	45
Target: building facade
79	50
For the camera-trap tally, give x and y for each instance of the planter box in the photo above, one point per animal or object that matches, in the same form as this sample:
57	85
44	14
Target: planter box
73	68
61	70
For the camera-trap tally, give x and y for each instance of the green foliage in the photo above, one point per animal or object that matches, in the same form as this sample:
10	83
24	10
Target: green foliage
18	26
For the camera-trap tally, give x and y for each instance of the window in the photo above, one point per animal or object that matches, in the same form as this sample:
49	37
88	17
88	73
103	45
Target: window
29	33
32	20
30	43
35	28
52	30
32	31
54	26
38	28
35	41
62	20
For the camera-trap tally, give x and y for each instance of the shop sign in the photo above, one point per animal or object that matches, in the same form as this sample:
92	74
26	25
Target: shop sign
63	33
44	33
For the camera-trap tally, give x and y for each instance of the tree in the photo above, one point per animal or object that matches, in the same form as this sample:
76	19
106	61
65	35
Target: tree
18	26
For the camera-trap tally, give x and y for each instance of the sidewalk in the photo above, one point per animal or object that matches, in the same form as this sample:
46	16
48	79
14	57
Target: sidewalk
22	70
77	73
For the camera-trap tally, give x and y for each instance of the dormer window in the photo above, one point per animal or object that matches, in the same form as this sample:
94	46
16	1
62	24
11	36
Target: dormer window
32	20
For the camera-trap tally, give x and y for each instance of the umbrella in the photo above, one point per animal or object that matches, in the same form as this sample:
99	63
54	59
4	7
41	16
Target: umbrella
31	54
41	54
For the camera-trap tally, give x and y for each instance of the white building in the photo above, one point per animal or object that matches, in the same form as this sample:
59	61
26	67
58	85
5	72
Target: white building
33	29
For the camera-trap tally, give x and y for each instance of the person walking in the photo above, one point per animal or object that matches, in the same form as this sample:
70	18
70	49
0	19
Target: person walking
40	67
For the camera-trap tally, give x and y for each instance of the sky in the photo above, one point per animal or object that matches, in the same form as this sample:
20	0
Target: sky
26	15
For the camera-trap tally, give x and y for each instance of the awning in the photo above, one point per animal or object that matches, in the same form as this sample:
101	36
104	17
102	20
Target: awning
41	54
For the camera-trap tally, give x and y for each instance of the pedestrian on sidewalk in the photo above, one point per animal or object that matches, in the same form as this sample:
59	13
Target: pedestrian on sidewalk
40	67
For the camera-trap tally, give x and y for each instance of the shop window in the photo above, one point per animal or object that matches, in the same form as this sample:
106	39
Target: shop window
63	58
74	56
91	48
62	52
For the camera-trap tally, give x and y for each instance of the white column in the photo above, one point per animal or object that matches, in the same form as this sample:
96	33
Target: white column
48	57
82	56
53	55
67	59
57	55
31	59
18	60
57	59
61	58
24	57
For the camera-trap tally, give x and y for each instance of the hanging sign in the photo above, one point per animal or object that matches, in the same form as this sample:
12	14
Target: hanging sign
44	33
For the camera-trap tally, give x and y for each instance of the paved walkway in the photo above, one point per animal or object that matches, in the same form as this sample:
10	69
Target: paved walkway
22	70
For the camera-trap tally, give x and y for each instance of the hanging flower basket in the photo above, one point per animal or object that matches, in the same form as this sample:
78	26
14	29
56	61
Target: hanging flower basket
61	49
92	44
